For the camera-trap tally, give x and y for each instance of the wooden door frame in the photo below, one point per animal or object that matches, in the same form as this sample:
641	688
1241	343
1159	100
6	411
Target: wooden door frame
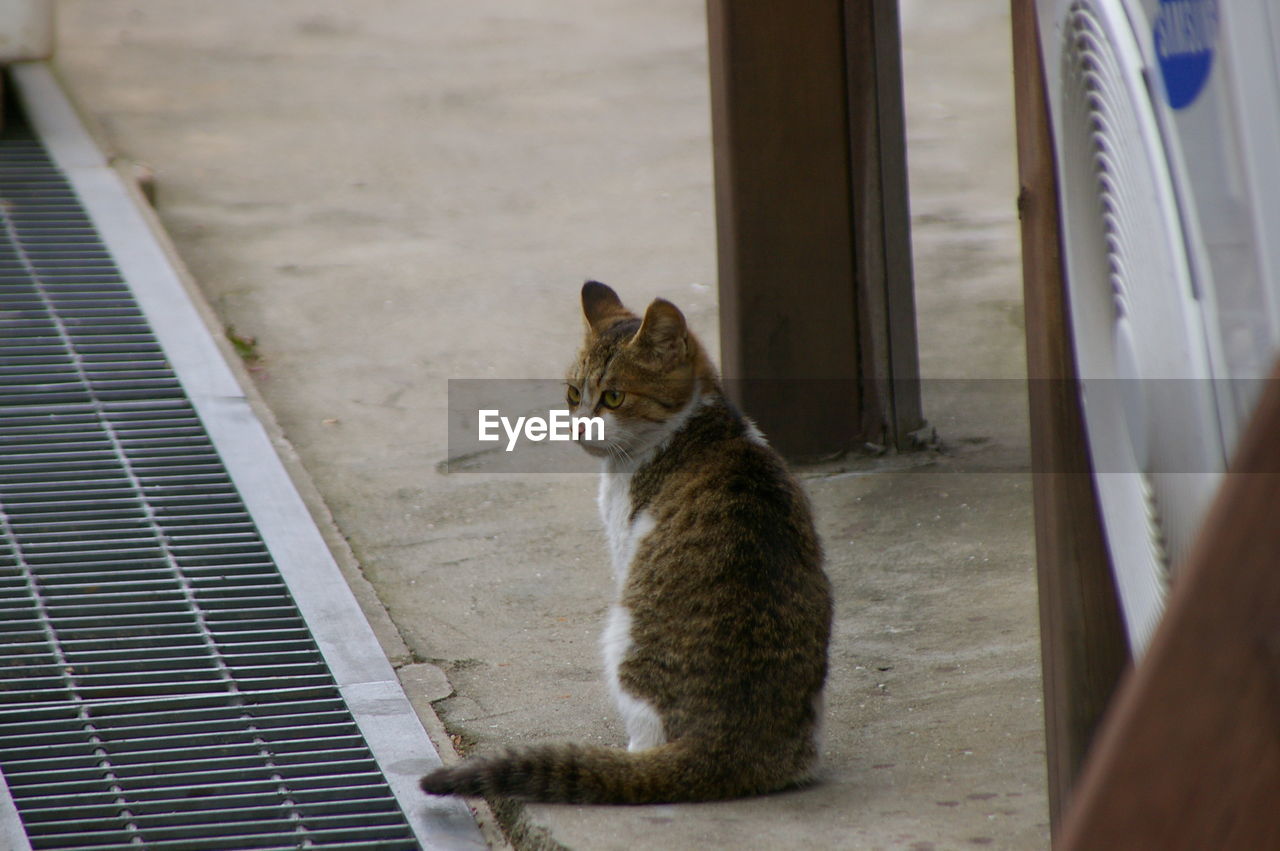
1084	649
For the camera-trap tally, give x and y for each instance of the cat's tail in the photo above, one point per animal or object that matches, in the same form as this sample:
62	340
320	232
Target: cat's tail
583	774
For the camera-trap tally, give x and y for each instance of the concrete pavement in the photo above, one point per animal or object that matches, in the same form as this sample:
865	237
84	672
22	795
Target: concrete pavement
379	197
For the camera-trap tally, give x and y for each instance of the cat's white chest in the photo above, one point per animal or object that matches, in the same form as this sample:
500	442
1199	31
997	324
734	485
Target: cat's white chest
622	532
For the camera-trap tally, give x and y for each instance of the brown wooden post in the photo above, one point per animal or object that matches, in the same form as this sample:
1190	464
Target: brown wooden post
1189	757
812	228
1083	645
881	219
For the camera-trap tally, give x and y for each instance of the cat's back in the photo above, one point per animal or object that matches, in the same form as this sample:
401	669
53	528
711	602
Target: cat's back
733	533
729	608
718	483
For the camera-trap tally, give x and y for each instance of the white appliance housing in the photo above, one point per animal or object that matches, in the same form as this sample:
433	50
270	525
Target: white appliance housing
1166	125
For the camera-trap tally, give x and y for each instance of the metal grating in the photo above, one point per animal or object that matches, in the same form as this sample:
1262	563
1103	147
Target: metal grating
158	686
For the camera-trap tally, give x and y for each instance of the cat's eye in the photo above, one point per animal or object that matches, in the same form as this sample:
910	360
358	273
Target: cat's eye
612	398
573	395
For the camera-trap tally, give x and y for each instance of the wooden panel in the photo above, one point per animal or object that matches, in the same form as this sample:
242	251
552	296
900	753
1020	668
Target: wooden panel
1190	755
1083	644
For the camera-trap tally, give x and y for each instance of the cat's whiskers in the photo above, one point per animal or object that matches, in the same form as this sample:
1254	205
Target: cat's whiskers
619	453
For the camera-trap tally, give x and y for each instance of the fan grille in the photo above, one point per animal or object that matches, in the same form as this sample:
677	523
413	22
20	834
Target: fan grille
1139	337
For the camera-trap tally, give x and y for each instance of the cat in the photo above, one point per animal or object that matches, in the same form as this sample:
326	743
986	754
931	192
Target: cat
716	647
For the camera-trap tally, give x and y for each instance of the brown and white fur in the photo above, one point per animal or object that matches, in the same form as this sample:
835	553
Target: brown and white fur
715	649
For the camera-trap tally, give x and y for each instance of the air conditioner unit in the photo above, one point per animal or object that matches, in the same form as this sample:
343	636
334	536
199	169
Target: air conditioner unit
1166	124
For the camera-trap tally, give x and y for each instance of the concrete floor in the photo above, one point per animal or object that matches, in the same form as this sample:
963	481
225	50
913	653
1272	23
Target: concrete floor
384	200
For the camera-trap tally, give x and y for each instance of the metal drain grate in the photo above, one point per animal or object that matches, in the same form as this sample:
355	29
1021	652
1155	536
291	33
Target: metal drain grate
158	686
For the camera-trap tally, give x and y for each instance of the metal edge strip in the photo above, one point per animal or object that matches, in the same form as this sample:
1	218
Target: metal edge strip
364	675
12	836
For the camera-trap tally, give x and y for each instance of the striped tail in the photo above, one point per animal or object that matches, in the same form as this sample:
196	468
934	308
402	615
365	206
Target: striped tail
582	774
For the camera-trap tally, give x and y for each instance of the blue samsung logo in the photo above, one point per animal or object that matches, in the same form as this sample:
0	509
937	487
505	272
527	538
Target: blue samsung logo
1185	34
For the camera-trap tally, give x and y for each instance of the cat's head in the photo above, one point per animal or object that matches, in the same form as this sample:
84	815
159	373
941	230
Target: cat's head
640	374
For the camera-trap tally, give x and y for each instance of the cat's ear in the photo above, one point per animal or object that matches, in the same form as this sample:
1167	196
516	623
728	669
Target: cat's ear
663	333
601	305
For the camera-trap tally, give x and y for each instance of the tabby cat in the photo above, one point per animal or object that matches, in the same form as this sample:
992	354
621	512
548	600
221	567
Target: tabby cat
716	648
